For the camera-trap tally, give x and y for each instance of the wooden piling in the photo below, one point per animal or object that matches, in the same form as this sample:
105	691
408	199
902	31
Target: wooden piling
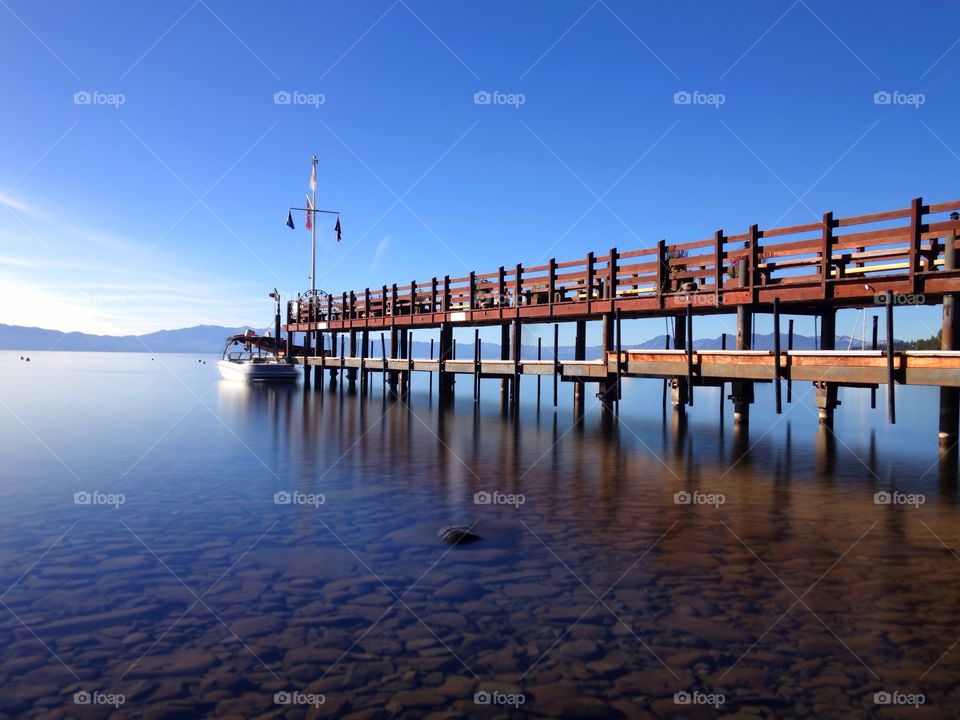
689	349
476	365
383	355
333	349
678	385
826	392
949	396
742	390
776	356
891	395
579	353
446	379
505	355
539	357
364	375
394	354
516	347
306	356
610	387
556	362
352	372
874	346
789	348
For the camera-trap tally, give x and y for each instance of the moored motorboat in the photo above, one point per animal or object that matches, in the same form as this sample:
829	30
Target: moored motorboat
250	357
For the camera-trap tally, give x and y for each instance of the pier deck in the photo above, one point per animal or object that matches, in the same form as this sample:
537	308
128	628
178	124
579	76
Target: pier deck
854	368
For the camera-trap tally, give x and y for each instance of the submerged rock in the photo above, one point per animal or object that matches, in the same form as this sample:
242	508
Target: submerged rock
457	535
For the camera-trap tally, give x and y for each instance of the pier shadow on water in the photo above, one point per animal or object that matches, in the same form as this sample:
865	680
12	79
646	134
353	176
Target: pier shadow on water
241	551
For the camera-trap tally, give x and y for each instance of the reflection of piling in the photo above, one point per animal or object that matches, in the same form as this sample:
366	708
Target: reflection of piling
825	451
949	396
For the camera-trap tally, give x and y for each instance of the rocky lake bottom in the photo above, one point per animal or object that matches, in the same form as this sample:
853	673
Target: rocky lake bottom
249	552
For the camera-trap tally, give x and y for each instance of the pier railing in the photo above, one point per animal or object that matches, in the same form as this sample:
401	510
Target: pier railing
836	260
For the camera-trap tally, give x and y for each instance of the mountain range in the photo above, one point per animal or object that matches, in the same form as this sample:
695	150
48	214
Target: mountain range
206	339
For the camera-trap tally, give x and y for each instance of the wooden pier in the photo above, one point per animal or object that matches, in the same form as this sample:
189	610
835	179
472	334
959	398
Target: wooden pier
885	259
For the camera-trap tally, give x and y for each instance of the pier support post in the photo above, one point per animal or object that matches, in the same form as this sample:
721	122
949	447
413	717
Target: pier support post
352	372
678	386
516	347
364	353
949	396
404	348
333	351
306	359
579	353
394	347
318	352
446	379
741	391
505	355
827	391
609	388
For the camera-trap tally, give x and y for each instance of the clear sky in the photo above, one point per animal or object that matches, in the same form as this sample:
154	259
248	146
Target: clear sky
161	203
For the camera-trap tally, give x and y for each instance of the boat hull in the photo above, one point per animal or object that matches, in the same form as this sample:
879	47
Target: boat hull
257	372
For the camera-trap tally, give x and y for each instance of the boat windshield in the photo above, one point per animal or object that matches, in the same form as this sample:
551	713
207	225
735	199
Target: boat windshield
251	351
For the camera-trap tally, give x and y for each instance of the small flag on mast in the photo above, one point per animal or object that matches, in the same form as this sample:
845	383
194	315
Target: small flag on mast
337	229
309	222
313	178
290	220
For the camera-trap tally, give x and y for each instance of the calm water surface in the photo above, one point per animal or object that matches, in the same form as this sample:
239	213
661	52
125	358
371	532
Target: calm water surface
599	596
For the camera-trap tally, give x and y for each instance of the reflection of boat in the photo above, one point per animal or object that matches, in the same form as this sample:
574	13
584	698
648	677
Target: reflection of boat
251	357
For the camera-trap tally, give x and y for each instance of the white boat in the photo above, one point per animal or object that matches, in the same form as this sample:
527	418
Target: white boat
250	358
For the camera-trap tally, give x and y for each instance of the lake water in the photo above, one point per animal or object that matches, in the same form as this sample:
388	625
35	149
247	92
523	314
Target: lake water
180	580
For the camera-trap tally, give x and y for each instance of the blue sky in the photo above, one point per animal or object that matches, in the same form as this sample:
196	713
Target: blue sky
167	209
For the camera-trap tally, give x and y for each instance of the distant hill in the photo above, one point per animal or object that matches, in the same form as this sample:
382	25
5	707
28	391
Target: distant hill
198	339
491	350
210	338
